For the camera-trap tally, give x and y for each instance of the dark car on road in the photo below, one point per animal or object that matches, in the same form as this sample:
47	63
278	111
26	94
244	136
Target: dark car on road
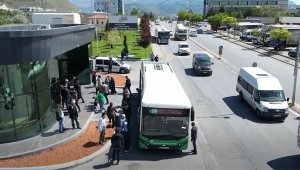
293	53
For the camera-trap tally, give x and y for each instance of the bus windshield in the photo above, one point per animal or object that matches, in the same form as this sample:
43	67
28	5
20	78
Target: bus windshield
272	95
164	34
165	123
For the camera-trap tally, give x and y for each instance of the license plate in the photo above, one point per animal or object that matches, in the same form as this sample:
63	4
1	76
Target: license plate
204	72
163	147
276	115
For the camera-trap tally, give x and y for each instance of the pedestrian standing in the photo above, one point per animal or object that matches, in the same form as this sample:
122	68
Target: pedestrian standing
117	142
126	106
125	133
112	86
60	118
105	90
194	131
66	96
107	80
67	83
128	84
102	128
156	58
110	63
94	76
77	87
100	99
74	97
73	115
111	114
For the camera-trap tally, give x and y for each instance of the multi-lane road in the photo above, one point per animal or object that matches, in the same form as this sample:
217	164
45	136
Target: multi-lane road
230	136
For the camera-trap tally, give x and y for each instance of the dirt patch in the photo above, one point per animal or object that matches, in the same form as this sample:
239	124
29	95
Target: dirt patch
78	148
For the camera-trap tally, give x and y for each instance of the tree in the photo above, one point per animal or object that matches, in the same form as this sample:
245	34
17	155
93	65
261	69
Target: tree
255	32
182	15
280	34
145	32
196	17
216	20
113	37
134	11
227	21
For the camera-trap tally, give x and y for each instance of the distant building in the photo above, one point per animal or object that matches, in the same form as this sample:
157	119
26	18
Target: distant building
264	20
99	20
243	4
110	6
289	20
36	9
4	7
56	18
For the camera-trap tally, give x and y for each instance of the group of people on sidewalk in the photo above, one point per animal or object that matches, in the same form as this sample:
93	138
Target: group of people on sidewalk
119	120
69	96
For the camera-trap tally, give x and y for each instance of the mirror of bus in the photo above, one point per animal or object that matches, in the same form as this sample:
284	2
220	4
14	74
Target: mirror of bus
192	114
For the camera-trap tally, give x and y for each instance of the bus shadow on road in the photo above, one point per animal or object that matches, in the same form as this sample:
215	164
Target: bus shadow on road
289	162
243	110
154	155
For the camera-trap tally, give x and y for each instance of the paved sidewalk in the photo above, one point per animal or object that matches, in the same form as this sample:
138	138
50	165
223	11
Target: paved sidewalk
52	137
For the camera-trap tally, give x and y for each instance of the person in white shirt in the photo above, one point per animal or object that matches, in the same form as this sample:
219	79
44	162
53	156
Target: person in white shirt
102	128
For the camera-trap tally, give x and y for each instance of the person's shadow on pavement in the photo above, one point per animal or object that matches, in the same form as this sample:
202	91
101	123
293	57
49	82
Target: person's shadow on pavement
109	161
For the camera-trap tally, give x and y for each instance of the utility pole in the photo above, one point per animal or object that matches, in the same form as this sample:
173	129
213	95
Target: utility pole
295	74
188	35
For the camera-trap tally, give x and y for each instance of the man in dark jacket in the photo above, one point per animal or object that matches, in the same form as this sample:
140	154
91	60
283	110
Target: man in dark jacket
194	131
117	142
128	84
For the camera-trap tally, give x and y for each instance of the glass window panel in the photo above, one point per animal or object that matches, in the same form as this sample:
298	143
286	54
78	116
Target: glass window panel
27	130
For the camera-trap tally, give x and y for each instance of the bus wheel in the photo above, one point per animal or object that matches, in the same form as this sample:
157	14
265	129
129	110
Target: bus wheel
241	97
258	114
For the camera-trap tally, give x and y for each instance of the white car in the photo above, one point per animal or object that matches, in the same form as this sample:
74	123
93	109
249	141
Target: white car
183	48
171	33
193	33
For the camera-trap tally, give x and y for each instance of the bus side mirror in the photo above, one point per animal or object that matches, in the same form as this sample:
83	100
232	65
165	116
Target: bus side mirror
287	99
192	114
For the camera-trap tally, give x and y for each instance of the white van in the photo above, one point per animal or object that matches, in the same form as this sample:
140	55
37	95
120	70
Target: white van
263	92
101	64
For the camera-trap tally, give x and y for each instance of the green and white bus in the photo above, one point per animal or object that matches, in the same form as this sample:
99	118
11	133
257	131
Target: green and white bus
165	110
162	35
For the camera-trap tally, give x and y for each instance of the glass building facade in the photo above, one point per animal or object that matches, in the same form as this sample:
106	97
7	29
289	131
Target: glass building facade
29	90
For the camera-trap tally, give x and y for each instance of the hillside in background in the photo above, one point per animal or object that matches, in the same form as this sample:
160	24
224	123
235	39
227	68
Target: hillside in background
59	5
161	7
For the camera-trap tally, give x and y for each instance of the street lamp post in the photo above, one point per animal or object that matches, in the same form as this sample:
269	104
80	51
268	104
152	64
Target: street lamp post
189	19
295	74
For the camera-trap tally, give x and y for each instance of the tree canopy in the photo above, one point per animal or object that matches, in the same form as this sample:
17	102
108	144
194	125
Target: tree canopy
280	34
216	20
113	37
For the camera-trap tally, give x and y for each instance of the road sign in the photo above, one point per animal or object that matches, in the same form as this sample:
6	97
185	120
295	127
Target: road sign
221	47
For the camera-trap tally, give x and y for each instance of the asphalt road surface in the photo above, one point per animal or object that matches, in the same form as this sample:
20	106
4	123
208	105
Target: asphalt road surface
230	136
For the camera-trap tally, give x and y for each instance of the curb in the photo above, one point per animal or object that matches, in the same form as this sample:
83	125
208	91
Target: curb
80	161
53	145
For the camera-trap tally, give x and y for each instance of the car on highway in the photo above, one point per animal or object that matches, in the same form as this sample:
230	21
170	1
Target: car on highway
202	63
193	33
171	33
183	48
293	53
